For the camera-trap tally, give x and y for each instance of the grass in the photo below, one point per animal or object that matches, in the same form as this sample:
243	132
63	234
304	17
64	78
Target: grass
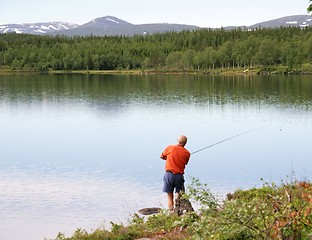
158	226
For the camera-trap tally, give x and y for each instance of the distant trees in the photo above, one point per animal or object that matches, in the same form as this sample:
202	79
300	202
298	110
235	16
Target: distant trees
268	53
310	7
189	50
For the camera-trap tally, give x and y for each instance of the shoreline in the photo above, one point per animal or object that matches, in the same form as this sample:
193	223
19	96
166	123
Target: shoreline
281	70
255	213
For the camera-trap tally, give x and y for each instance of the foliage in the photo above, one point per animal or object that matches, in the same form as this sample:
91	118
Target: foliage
202	195
310	7
138	227
269	212
202	49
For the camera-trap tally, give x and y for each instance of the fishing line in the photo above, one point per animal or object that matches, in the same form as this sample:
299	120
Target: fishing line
227	139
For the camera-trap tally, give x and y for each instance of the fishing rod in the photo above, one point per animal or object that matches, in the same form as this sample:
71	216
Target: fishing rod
227	139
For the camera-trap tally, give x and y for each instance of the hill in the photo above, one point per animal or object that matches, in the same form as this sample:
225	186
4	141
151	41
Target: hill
110	26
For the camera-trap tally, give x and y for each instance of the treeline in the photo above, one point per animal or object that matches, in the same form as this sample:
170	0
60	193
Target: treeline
189	50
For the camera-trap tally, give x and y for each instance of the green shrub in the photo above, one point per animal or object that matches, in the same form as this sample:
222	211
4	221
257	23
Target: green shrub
270	212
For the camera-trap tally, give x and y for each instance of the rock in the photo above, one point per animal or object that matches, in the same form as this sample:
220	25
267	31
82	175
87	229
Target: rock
149	211
182	205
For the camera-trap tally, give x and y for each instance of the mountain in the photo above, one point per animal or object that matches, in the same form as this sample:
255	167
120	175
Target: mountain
111	26
37	28
289	21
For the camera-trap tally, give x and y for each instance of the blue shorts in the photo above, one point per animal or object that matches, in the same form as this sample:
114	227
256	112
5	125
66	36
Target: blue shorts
173	181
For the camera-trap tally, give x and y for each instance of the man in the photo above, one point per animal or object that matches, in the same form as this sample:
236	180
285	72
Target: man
176	157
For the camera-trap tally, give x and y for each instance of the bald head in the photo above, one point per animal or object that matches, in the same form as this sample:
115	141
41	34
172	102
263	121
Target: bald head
182	140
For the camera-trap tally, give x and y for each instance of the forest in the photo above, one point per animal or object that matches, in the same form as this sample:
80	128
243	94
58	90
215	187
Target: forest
198	50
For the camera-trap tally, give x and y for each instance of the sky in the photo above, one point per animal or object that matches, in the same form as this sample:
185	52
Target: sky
202	13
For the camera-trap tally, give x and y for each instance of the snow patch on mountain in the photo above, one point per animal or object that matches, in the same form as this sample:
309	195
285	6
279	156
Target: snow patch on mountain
292	22
112	20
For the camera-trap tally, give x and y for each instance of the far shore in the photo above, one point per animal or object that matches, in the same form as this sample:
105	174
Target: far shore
280	70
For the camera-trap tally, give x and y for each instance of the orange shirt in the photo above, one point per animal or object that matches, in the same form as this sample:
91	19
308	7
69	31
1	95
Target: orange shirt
176	158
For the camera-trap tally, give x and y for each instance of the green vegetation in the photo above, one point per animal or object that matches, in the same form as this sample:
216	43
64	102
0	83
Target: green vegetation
269	212
267	50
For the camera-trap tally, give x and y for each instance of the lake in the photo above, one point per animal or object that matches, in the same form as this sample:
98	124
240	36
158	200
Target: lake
79	151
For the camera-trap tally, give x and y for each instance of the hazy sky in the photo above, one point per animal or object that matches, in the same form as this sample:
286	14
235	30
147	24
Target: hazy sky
203	13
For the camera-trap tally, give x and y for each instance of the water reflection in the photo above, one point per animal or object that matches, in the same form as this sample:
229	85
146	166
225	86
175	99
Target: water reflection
66	201
79	150
114	91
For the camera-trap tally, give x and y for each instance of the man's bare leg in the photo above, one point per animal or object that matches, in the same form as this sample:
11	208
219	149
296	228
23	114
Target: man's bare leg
170	201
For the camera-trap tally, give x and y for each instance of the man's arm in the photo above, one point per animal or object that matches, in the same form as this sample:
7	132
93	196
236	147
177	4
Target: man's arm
163	157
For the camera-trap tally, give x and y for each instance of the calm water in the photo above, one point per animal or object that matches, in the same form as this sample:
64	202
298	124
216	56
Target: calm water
80	151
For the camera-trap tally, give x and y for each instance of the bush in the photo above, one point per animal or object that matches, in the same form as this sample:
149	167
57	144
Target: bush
270	212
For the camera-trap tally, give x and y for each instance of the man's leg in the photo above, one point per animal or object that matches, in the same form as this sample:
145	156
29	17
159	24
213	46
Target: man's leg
170	200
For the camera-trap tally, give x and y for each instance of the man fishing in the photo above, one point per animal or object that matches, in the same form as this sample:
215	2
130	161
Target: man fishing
176	157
